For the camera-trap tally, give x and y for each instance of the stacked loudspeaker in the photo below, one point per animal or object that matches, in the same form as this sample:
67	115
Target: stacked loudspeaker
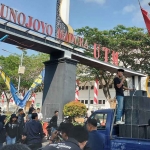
137	114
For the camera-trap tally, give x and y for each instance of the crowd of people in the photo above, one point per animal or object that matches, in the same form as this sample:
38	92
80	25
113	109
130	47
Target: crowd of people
27	134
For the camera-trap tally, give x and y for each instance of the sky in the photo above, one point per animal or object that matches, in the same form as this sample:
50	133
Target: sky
102	14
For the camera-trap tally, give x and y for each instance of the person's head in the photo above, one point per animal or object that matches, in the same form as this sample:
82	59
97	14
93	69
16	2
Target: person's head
91	124
80	134
34	116
56	113
20	111
32	105
3	119
16	147
120	72
13	118
38	110
65	129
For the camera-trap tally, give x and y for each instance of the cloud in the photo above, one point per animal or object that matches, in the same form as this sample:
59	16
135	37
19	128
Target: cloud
129	9
96	1
137	15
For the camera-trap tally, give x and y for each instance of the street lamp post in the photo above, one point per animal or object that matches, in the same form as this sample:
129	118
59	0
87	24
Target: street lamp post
19	73
21	68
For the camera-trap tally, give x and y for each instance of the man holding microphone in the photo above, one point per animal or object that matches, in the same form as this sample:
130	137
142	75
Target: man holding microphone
119	86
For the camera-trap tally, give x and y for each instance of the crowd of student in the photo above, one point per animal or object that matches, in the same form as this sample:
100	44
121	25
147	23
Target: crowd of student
21	135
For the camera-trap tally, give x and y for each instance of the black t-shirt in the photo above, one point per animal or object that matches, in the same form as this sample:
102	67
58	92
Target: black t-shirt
70	144
31	110
119	91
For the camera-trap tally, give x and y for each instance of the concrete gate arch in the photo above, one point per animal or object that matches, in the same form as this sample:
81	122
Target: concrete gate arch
60	70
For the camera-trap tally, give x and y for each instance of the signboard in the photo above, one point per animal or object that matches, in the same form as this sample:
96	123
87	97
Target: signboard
29	22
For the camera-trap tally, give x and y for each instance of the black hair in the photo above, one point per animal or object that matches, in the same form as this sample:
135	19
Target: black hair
13	116
55	112
93	122
65	128
38	108
34	115
20	110
79	133
15	147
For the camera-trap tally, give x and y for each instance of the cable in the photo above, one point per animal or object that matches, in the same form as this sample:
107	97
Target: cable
8	51
20	43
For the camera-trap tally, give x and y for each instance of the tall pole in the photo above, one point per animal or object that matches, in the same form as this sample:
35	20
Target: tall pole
20	74
19	80
89	95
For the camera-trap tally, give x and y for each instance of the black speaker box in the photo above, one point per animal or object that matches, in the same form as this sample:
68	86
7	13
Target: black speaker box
138	93
133	131
135	116
138	102
148	132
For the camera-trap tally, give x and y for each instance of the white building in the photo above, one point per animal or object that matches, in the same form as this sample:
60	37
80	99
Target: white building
86	93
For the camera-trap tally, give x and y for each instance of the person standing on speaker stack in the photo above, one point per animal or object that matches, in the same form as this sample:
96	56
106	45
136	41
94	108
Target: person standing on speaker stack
119	86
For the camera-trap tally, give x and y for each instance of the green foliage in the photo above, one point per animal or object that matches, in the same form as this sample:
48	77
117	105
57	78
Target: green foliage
74	109
33	64
132	43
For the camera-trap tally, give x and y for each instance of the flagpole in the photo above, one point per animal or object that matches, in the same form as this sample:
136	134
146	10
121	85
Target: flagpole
139	3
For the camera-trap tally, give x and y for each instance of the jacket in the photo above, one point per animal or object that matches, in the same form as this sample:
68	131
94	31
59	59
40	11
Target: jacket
12	130
2	129
53	122
33	131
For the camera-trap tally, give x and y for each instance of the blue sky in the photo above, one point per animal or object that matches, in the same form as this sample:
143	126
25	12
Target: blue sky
103	14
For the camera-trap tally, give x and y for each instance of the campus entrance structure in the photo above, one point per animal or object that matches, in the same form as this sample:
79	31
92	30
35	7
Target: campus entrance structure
60	70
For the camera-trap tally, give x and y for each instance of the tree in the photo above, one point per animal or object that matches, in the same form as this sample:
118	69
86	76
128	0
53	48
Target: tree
33	64
132	43
74	109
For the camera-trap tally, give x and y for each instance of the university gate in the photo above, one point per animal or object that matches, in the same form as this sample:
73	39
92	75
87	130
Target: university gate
60	70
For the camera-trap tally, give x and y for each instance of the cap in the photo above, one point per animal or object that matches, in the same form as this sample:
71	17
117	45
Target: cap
120	70
14	116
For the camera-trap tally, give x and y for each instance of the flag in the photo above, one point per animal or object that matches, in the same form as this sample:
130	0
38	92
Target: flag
14	94
146	17
5	78
21	102
38	80
33	98
77	91
3	96
96	92
25	99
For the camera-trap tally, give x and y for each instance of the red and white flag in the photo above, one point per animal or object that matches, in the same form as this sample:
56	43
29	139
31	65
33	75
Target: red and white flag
11	100
96	92
2	97
33	98
77	91
146	17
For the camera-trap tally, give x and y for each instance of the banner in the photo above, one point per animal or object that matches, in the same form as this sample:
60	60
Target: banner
5	78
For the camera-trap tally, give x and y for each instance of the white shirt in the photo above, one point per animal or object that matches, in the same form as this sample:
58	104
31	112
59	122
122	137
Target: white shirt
40	116
89	113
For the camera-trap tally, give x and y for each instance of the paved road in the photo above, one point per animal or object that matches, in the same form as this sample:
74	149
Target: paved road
45	142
